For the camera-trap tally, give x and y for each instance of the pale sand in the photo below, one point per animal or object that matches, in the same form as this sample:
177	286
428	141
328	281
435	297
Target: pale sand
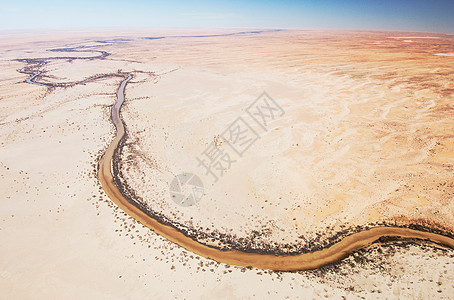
57	246
445	54
359	142
414	37
304	261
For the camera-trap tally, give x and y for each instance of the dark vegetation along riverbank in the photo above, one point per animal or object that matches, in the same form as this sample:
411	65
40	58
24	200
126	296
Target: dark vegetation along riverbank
326	249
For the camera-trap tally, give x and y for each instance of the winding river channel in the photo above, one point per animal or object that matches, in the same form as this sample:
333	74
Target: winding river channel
303	261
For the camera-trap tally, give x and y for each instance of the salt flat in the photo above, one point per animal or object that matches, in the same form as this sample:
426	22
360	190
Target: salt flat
365	138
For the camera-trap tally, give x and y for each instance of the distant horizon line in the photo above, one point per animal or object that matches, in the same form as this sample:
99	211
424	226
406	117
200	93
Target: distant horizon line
157	28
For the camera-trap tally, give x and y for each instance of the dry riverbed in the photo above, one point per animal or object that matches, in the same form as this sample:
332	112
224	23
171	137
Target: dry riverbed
366	139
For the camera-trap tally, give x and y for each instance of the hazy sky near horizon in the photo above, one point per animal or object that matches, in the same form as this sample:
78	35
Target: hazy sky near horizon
413	15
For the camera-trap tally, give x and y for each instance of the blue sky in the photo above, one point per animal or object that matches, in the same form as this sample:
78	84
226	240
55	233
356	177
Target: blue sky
416	15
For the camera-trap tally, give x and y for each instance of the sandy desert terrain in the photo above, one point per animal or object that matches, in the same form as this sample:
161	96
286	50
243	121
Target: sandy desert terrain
360	137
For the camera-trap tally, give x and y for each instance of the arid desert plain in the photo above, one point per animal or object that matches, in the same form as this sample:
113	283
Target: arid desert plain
318	164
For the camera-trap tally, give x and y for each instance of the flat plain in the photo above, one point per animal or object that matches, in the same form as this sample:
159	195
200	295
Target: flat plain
361	136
